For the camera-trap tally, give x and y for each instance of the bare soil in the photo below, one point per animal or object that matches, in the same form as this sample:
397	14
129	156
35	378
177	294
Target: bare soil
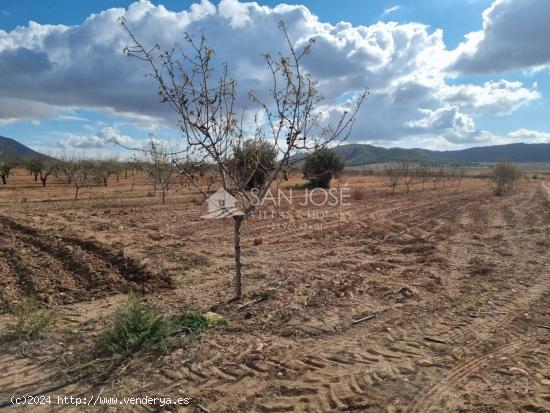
458	281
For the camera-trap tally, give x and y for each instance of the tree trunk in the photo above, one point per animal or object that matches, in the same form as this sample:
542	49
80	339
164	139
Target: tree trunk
163	195
238	276
43	179
76	193
3	179
35	177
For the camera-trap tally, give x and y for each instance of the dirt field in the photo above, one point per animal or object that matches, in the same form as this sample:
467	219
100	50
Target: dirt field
458	281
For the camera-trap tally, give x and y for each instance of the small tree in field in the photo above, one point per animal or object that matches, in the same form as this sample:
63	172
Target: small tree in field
8	162
158	161
33	165
106	168
407	174
80	172
321	166
46	167
215	125
423	175
505	175
393	175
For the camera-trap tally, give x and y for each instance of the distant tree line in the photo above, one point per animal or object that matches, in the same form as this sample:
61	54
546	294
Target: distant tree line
251	163
406	174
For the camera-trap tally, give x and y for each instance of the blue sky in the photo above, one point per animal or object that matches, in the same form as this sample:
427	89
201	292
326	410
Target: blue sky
64	81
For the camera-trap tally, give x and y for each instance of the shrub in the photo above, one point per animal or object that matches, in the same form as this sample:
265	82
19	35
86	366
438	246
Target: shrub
505	174
32	320
139	326
136	326
193	322
321	166
253	162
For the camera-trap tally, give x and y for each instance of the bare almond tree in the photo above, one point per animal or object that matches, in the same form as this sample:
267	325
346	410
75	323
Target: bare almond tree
80	172
423	175
46	167
158	161
105	168
393	175
215	124
407	174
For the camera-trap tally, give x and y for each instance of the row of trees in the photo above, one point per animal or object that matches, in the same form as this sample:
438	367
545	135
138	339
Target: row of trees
504	176
251	163
408	174
77	171
43	167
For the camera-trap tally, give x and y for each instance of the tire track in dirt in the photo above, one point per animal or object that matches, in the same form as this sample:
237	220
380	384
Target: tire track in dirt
458	374
359	212
488	331
337	375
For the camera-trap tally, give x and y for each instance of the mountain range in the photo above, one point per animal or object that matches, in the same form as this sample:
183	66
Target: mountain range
363	154
12	147
359	154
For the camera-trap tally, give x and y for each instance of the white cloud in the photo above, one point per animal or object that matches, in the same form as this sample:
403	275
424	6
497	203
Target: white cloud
498	98
528	136
51	70
14	109
515	36
109	135
391	10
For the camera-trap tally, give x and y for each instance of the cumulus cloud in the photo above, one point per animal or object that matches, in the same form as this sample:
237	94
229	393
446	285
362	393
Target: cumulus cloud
515	36
108	135
52	69
498	98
